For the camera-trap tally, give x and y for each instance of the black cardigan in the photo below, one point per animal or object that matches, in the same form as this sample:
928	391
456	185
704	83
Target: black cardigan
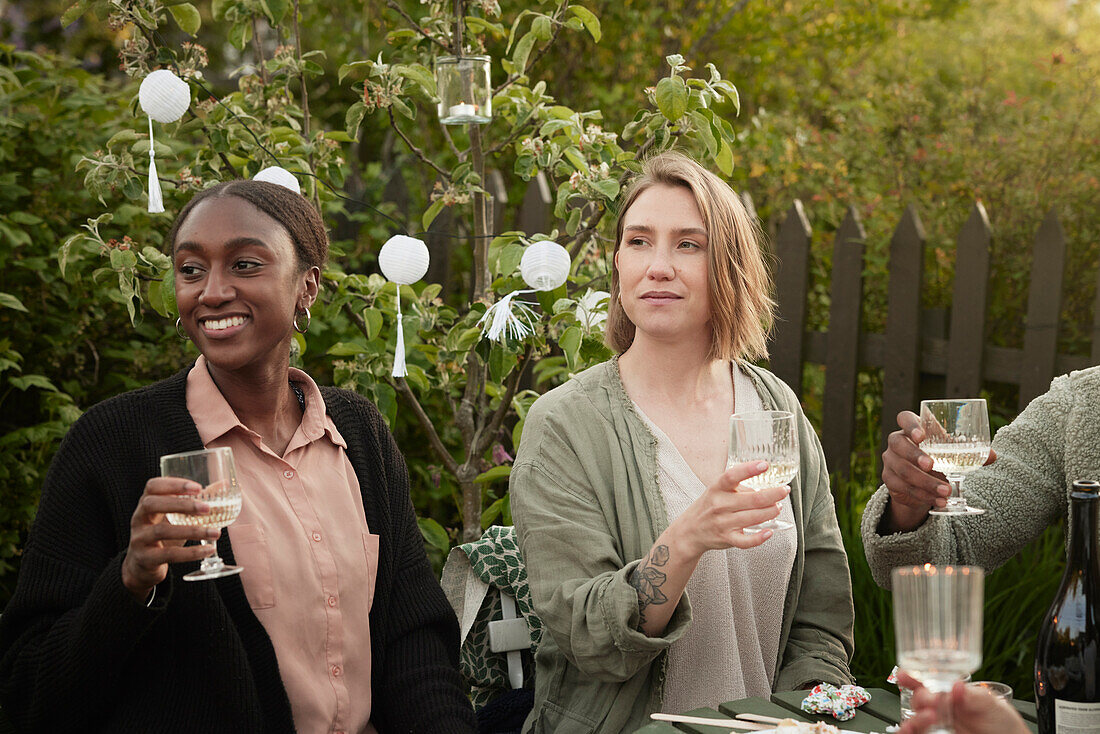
79	653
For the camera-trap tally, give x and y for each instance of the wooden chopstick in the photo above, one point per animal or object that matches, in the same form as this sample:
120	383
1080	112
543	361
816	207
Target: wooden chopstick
732	724
773	721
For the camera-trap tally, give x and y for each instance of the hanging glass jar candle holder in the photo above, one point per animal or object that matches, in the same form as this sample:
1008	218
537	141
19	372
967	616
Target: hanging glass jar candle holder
465	94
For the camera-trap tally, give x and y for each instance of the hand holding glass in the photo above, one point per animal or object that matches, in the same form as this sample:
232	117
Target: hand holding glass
938	625
215	471
956	438
770	435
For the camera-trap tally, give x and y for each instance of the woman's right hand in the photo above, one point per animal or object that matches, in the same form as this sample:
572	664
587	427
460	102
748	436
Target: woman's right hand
716	519
155	542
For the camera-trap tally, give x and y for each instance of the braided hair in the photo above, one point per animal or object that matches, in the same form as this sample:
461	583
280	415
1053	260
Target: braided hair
293	211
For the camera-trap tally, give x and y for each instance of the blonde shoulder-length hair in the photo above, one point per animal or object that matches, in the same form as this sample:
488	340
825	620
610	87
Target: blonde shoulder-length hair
741	305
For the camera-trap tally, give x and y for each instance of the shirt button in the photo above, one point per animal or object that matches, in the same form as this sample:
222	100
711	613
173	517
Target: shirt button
317	537
288	474
332	601
337	671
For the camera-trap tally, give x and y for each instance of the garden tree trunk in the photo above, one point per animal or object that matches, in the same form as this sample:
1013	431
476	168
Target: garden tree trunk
474	413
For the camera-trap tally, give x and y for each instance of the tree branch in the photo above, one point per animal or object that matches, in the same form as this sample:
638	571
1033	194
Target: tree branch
402	386
417	151
499	414
416	26
558	25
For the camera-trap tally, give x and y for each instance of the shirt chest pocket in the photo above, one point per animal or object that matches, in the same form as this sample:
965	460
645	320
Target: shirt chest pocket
250	551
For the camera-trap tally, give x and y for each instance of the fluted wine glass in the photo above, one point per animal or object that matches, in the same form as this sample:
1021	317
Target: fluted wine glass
956	438
215	471
770	435
938	626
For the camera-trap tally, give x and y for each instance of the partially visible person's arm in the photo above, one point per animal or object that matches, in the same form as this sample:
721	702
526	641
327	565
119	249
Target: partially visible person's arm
1023	491
67	635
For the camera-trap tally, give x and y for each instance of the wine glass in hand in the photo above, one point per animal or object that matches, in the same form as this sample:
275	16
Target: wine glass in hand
938	625
215	471
957	440
770	435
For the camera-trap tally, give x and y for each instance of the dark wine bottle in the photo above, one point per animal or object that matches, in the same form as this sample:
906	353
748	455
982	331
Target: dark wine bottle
1067	662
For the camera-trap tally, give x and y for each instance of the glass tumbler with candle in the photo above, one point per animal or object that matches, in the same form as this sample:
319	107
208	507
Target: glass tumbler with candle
464	88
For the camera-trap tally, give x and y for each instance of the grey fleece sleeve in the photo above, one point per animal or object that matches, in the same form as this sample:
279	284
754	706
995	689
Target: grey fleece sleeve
1023	491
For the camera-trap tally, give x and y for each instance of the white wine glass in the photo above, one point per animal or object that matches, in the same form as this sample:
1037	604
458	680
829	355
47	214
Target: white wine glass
215	471
956	438
769	435
938	626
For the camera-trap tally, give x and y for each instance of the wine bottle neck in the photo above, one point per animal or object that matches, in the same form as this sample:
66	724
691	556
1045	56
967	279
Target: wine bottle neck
1083	528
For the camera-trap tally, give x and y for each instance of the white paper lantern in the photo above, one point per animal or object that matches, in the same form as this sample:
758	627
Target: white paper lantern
279	176
403	259
164	96
545	265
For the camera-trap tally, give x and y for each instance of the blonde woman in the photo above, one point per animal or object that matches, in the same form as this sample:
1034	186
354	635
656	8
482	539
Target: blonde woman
624	506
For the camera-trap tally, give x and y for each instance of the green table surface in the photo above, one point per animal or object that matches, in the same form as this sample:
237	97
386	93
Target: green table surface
883	709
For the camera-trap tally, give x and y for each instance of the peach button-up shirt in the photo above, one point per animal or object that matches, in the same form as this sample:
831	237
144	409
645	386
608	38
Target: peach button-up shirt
309	560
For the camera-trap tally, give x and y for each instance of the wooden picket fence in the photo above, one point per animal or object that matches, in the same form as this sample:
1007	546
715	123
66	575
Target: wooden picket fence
907	351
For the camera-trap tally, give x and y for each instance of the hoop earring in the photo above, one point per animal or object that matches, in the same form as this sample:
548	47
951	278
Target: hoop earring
179	329
309	318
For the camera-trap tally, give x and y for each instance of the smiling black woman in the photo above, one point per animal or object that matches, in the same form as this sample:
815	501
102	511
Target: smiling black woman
337	622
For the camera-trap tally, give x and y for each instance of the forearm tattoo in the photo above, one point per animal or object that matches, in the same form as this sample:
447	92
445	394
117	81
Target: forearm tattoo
648	580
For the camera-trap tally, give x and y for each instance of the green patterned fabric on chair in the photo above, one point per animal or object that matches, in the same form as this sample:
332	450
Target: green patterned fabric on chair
481	580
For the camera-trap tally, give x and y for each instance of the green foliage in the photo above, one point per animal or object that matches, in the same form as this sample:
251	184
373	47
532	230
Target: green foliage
64	346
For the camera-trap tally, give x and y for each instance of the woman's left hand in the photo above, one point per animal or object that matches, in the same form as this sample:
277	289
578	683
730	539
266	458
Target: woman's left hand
973	710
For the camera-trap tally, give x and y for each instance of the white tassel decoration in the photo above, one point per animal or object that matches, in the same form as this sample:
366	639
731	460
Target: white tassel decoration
156	199
503	321
399	369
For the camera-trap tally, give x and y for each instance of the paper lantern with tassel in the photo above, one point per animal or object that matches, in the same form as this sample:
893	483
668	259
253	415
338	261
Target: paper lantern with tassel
164	97
403	260
544	266
279	176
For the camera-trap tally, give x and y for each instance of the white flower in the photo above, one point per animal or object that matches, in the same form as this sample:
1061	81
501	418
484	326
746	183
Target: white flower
592	309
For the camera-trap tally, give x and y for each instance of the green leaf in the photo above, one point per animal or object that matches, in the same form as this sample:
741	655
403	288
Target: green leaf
26	381
7	300
353	118
540	26
276	10
497	472
609	187
724	159
434	534
523	51
431	213
570	343
466	339
493	511
75	10
156	298
591	22
418	74
346	69
702	128
373	319
501	362
123	137
187	16
672	97
576	159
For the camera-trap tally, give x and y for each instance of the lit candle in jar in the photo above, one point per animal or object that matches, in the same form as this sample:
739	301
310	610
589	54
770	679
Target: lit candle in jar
463	109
